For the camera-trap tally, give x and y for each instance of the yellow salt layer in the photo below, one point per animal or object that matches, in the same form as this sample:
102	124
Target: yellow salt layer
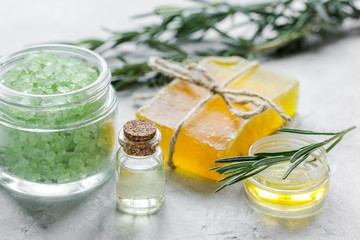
213	132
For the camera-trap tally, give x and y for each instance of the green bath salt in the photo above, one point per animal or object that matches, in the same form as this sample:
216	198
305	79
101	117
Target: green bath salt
58	138
45	74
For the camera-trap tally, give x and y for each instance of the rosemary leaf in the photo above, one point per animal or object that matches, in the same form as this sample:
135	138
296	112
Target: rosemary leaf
308	149
334	144
223	168
92	44
198	31
234	170
298	131
295	165
270	160
241	177
238	173
312	147
243	167
269	154
238	159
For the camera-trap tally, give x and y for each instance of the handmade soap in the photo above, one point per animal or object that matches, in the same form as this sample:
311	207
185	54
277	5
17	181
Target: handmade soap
213	132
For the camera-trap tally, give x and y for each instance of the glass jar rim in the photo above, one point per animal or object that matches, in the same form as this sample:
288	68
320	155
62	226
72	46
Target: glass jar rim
103	71
291	138
99	91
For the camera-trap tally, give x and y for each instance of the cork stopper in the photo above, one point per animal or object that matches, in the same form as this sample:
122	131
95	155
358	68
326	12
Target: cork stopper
139	137
139	130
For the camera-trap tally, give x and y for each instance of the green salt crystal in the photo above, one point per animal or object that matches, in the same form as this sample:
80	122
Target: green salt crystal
58	156
44	74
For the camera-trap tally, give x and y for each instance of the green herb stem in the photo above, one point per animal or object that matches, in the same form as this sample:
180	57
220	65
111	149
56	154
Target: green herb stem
185	33
242	167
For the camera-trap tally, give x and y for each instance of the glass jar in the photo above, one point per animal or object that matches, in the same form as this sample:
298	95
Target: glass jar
57	144
140	172
302	193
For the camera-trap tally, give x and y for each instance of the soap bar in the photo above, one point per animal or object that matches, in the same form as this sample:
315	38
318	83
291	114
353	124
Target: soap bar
213	132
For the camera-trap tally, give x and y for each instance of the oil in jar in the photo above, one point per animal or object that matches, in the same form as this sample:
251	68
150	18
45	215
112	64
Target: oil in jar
302	193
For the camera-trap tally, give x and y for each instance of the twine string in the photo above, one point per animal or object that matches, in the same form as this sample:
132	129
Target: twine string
198	75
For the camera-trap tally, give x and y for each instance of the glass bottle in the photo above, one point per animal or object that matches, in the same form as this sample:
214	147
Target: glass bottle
140	168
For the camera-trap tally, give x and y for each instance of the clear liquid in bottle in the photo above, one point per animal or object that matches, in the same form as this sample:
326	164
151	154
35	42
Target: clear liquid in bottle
140	169
140	191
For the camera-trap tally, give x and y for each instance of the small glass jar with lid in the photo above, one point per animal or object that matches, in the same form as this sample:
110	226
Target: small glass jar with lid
57	120
140	183
302	193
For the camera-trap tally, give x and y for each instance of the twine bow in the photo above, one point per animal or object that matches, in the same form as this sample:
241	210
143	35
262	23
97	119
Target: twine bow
196	74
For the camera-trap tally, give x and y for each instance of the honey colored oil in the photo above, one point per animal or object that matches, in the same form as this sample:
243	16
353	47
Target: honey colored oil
286	199
300	191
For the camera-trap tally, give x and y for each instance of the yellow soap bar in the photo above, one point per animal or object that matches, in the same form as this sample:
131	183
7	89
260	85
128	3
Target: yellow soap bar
213	132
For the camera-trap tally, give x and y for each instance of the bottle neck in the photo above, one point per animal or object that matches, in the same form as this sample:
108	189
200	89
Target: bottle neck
139	148
140	163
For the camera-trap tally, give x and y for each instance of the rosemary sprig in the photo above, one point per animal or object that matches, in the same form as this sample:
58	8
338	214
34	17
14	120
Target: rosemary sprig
279	26
242	167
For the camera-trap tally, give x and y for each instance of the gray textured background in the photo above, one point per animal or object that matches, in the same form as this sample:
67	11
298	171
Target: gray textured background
329	100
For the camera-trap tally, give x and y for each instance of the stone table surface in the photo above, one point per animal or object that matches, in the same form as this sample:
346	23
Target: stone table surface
329	99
